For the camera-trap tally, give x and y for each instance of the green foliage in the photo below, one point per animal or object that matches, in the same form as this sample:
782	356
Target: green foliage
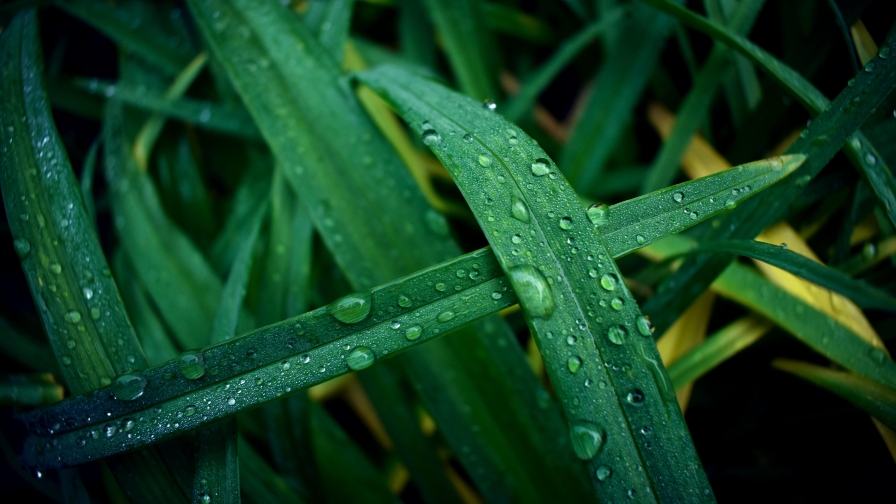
257	275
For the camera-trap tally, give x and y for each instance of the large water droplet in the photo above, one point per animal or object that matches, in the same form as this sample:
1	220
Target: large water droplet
603	473
645	326
519	211
190	410
23	247
404	301
485	161
617	334
360	358
351	309
598	214
532	289
574	364
128	386
192	364
635	397
73	316
445	316
587	439
677	196
565	223
608	281
541	167
413	332
431	137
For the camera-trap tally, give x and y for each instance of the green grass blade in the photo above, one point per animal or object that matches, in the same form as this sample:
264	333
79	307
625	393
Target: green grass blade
415	34
618	87
640	221
859	148
718	347
87	175
539	231
516	23
278	359
213	116
331	26
217	475
863	294
134	27
468	44
260	481
29	390
76	297
876	399
27	350
539	80
828	132
331	152
174	273
693	111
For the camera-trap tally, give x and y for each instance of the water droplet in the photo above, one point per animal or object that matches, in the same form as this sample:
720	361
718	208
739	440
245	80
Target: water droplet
617	303
677	196
360	358
870	159
109	430
489	105
598	214
693	215
640	239
565	223
632	493
73	317
351	309
441	287
635	397
231	401
128	386
884	52
496	295
192	365
80	441
516	239
485	161
190	410
730	204
205	498
603	473
56	268
869	250
645	326
23	247
617	334
541	167
95	313
532	289
608	281
574	363
869	67
519	211
878	356
445	316
404	301
127	424
593	273
431	137
587	439
413	332
66	360
468	138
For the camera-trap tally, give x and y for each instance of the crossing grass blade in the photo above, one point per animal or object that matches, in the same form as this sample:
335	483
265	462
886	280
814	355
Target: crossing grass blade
330	25
341	168
223	118
29	390
863	294
584	316
617	88
869	395
29	351
533	86
137	27
71	283
823	139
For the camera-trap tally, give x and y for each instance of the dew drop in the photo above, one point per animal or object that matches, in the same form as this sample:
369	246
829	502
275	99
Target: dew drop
640	239
519	211
351	309
468	138
360	358
489	105
190	410
541	167
23	247
192	365
496	295
431	137
532	289
73	316
587	439
598	214
617	303
127	424
635	397
516	239
413	332
56	268
574	364
603	473
565	223
617	334
445	316
730	204
608	282
298	329
95	313
677	196
485	161
404	301
128	386
645	326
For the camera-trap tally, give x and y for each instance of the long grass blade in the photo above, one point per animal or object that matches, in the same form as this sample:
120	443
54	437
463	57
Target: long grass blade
498	168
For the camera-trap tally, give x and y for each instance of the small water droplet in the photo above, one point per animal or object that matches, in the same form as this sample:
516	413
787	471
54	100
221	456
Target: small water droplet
23	247
541	167
617	303
109	430
468	138
127	424
617	334
608	281
519	211
565	223
431	137
413	332
574	363
593	273
489	105
635	397
231	401
128	386
603	473
73	316
730	204
192	365
55	268
640	239
445	316
351	309
598	214
516	239
360	358
869	67
95	313
496	295
870	159
485	161
404	301
190	410
884	52
677	196
587	439
441	287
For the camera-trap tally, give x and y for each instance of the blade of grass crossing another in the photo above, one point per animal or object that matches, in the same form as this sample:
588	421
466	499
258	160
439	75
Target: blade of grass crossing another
76	297
539	232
